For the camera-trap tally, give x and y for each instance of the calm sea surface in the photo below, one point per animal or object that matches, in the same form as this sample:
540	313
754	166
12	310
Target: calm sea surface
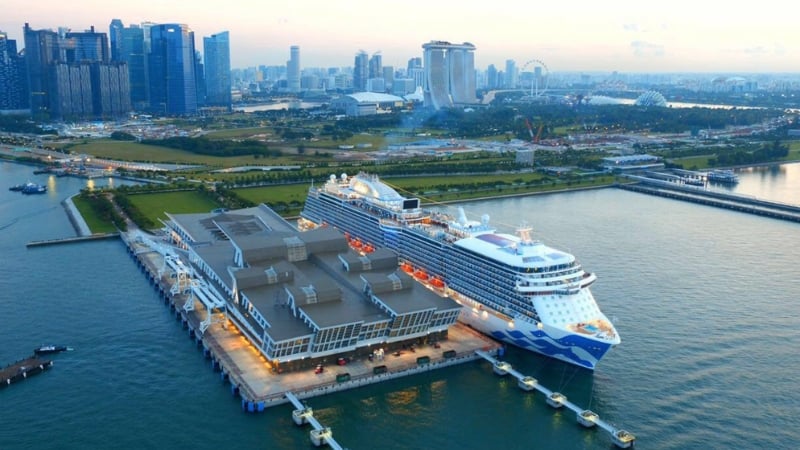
705	300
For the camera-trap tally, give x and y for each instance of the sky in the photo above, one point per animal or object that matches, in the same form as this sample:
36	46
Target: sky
627	36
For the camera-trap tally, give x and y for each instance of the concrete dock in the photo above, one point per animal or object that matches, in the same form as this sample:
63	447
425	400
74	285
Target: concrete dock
253	378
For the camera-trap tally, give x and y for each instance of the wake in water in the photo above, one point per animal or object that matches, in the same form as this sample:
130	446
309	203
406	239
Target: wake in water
26	216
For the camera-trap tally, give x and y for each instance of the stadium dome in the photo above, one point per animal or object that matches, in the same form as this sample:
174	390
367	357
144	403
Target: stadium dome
651	98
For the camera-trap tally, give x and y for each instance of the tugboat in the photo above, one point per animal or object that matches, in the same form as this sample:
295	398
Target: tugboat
33	188
49	349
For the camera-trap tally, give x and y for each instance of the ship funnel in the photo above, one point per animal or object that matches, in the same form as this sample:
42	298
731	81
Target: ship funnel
462	216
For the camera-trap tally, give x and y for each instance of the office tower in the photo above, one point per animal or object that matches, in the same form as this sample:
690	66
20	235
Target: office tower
216	50
199	79
115	36
510	81
360	71
491	77
171	70
449	74
85	46
13	79
375	66
414	63
293	69
388	77
131	51
41	52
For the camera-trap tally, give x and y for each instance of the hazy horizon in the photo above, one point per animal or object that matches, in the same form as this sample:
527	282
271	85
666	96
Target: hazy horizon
582	36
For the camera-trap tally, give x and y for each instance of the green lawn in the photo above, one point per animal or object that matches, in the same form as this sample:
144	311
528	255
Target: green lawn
96	225
180	202
134	151
270	195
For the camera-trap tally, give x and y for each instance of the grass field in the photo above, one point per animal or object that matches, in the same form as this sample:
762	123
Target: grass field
95	224
271	195
180	202
133	151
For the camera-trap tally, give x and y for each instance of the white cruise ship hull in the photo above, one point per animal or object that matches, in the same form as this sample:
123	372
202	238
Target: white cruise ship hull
548	340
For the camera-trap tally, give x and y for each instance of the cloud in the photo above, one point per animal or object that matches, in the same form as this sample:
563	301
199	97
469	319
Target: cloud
647	49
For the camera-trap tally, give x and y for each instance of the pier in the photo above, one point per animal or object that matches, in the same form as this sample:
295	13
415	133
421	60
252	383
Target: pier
319	435
72	240
703	196
258	383
587	418
21	369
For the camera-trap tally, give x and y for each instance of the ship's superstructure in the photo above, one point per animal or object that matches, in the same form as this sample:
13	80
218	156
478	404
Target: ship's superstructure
512	287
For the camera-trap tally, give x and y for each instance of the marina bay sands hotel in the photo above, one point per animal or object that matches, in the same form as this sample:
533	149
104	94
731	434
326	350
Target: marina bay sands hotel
449	74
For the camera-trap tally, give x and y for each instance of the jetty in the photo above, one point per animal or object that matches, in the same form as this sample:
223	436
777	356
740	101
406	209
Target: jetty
22	369
320	435
585	417
699	195
72	240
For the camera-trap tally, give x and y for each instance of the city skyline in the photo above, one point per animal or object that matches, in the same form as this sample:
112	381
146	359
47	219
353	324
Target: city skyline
636	37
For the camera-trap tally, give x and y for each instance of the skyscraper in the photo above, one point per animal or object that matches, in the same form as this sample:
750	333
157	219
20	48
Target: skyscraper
41	52
511	80
131	50
449	74
376	66
171	66
293	69
13	80
360	71
217	54
115	36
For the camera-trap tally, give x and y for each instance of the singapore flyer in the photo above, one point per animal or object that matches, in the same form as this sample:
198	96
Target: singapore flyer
538	77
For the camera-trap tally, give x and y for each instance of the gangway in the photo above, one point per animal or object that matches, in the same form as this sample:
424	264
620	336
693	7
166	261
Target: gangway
620	437
319	435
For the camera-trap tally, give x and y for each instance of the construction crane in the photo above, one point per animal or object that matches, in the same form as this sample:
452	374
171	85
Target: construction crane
534	138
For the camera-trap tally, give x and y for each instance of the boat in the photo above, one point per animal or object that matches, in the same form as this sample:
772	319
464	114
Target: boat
33	188
723	176
17	187
49	349
511	287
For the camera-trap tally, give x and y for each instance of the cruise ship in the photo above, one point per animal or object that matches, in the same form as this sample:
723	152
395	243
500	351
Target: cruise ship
512	287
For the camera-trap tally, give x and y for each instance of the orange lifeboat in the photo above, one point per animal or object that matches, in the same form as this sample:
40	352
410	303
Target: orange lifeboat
406	267
437	282
421	275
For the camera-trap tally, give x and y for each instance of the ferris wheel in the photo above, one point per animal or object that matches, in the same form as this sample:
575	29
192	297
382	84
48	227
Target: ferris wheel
537	79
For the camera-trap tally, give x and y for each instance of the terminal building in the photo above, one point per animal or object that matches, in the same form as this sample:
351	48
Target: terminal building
304	298
632	163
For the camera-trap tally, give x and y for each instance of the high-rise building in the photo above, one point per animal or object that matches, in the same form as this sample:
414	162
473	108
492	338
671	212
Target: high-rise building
171	70
115	36
449	74
360	71
388	77
199	79
375	66
217	54
293	69
85	46
13	79
132	51
491	77
511	79
41	52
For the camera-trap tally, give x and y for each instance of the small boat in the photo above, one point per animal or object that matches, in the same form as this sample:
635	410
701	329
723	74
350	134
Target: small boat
48	349
33	188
